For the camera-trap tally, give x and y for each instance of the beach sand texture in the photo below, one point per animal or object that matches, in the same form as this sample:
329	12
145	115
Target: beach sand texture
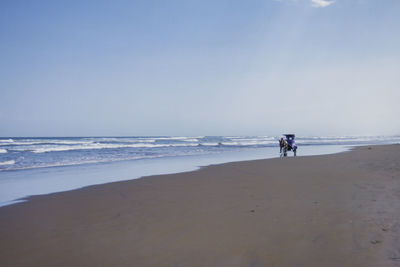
333	210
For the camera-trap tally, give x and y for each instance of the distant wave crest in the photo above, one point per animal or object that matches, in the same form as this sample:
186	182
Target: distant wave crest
105	146
6	140
8	162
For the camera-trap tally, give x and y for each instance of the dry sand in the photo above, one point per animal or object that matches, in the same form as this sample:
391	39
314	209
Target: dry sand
333	210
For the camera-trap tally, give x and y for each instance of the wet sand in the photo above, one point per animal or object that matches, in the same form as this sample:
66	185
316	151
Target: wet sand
333	210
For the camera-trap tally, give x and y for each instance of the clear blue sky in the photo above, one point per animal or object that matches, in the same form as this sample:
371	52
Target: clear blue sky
76	68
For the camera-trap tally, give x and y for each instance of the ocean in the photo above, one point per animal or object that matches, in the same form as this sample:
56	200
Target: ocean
42	165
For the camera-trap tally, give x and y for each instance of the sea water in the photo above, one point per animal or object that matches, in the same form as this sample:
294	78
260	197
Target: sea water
33	166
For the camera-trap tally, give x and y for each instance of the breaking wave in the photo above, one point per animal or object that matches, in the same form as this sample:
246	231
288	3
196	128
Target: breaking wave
104	146
8	162
6	141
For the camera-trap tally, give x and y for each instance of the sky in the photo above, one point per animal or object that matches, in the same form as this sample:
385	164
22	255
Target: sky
226	67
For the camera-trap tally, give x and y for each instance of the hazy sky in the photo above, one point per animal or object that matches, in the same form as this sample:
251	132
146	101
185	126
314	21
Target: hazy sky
78	68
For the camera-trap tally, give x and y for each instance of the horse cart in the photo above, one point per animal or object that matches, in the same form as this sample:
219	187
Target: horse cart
287	144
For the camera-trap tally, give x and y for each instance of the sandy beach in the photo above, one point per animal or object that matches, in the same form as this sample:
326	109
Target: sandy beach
333	210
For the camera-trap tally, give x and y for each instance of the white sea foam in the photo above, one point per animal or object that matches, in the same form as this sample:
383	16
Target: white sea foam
8	162
143	140
29	142
6	140
2	151
68	142
172	138
44	149
255	139
248	143
126	140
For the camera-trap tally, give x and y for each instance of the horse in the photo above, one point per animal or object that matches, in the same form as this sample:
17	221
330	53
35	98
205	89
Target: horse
284	147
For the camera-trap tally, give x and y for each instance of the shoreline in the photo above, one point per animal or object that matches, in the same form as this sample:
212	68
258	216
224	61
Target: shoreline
18	185
331	210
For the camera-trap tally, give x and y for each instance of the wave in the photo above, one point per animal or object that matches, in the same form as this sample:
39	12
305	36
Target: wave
44	142
2	151
6	140
8	162
104	146
167	138
91	140
123	139
249	143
